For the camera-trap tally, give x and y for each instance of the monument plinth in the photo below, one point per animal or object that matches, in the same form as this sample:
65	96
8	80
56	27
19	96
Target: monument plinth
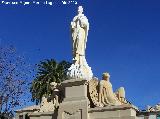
75	102
124	111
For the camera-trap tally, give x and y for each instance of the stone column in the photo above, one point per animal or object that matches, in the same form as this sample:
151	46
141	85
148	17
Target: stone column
75	103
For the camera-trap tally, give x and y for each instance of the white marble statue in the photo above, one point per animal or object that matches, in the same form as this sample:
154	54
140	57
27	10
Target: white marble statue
79	31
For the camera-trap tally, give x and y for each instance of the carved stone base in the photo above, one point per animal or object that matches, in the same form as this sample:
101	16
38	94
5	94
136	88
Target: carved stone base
73	110
75	106
75	103
113	112
44	115
81	70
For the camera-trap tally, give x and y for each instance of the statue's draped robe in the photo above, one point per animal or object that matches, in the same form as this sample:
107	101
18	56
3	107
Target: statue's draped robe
79	27
79	31
106	94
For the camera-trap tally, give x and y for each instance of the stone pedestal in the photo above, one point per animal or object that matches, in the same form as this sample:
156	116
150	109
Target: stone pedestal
113	112
44	115
75	106
75	103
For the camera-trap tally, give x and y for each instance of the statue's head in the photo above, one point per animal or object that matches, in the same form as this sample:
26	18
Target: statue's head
80	10
106	76
53	85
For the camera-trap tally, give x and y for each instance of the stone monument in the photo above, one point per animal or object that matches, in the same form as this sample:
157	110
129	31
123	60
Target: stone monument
79	31
82	96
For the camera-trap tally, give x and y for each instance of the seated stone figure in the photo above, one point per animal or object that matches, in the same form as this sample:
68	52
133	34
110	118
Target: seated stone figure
101	93
106	94
155	108
46	105
50	103
55	93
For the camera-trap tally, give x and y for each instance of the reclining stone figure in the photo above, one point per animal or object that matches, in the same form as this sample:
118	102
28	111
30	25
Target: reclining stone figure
101	92
106	94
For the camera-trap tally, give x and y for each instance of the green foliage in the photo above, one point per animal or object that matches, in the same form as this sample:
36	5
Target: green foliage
48	71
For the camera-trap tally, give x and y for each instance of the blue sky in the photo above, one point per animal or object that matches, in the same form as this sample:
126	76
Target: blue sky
124	39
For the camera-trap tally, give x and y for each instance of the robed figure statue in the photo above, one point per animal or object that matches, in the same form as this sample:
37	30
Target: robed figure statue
79	32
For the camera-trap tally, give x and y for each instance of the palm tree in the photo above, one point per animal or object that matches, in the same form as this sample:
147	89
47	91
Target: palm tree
48	71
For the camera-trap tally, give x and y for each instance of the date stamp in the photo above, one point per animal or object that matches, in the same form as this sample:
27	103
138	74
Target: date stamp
49	3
